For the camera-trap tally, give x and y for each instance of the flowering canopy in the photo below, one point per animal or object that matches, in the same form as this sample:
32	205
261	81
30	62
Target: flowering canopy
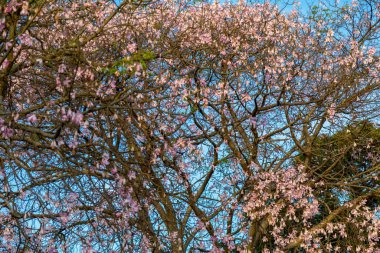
182	127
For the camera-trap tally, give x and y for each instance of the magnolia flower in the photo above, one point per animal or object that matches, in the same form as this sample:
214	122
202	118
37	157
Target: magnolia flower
77	118
62	68
32	118
132	47
331	112
105	159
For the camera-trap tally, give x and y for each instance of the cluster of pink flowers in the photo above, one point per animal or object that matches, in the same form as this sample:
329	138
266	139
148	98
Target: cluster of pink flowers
74	117
283	199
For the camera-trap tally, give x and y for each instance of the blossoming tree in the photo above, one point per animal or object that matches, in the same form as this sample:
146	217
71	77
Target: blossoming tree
174	126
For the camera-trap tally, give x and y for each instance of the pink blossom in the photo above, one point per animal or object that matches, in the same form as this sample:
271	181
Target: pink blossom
32	118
